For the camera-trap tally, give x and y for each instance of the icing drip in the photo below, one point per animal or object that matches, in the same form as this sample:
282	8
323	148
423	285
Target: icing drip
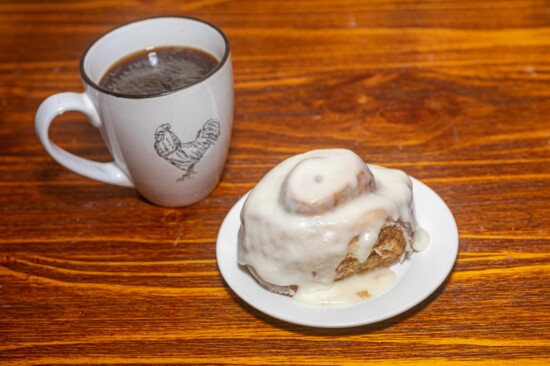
351	290
421	240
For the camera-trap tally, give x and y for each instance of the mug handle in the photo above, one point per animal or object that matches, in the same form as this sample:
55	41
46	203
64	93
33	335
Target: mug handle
58	104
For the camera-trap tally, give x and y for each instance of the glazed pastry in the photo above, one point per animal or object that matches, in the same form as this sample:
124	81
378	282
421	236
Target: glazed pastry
322	216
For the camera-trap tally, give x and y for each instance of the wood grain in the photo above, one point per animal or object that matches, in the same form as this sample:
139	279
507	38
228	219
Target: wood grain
456	93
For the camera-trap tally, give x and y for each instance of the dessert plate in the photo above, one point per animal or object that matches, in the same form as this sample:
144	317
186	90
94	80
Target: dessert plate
417	277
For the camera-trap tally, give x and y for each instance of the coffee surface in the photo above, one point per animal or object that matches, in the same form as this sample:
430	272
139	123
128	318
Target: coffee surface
158	70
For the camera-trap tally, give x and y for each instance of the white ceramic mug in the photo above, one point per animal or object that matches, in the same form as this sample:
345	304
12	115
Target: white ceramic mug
170	146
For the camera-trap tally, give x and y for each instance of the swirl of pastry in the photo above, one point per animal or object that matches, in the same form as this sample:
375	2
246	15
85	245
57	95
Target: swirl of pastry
321	183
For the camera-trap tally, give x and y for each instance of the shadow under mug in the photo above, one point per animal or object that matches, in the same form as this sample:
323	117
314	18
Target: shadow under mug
170	146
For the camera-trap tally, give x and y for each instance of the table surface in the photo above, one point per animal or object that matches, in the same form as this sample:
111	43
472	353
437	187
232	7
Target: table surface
456	93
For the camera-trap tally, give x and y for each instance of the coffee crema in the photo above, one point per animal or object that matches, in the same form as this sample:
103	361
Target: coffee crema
158	70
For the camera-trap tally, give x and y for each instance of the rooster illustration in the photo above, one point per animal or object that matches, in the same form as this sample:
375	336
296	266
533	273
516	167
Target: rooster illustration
184	155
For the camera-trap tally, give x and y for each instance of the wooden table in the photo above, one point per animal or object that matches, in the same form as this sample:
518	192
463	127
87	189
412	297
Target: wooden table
456	93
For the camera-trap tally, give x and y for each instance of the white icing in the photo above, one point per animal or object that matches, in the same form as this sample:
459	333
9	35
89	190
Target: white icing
304	249
351	290
310	187
421	240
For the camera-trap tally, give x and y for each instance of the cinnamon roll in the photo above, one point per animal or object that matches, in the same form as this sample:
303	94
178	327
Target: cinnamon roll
323	216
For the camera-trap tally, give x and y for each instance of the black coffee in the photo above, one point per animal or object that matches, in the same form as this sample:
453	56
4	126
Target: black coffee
158	70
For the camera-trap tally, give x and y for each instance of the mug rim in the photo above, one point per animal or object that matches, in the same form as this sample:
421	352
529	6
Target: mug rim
96	86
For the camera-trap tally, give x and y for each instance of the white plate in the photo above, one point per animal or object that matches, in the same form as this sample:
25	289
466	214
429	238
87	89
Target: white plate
417	277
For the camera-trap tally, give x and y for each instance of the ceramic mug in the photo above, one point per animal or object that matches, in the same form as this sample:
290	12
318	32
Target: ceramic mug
170	146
